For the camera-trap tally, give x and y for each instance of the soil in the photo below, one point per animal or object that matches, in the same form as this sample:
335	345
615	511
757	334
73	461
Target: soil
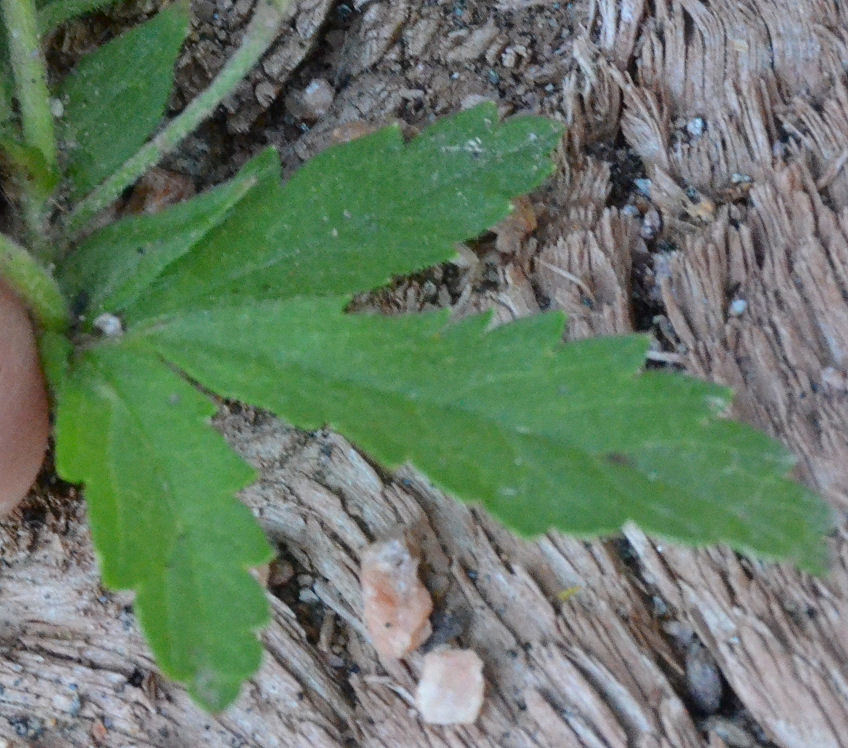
701	196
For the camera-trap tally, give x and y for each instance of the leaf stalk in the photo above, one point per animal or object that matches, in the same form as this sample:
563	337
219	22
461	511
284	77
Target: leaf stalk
33	284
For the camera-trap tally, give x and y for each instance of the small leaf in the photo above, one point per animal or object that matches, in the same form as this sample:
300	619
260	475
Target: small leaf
546	435
116	97
159	483
53	14
360	213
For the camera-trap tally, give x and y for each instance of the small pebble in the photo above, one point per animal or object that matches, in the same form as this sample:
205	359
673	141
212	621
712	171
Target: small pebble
644	186
651	225
317	97
450	691
109	325
312	103
396	605
265	93
509	58
702	678
737	307
696	126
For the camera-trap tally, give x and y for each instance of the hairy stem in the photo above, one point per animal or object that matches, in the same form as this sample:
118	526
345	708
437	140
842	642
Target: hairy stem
21	20
260	33
33	284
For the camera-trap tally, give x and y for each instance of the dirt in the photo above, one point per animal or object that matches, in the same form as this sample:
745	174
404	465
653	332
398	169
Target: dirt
700	196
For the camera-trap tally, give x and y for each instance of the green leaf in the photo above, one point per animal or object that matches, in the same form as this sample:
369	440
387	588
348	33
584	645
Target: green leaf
159	483
53	14
117	95
114	266
358	214
543	434
466	169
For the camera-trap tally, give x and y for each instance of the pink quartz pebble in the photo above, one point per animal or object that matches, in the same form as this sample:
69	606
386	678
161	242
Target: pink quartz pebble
450	691
396	604
24	423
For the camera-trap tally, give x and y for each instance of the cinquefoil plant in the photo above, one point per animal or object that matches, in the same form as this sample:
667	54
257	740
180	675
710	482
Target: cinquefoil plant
243	289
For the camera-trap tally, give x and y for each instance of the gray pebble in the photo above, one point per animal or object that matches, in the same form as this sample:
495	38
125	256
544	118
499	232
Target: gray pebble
696	126
737	307
702	678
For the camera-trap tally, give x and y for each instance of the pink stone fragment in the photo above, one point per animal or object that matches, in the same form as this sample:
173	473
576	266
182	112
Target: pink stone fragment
450	691
396	605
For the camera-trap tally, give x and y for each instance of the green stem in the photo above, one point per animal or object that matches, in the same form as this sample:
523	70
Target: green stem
21	20
33	284
259	35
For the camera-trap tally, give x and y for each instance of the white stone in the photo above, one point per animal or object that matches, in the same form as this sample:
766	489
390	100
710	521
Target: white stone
318	97
737	307
450	691
696	126
109	325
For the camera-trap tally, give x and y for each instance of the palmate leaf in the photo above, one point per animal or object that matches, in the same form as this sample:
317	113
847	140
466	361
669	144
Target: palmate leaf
160	484
544	434
132	430
116	96
243	289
